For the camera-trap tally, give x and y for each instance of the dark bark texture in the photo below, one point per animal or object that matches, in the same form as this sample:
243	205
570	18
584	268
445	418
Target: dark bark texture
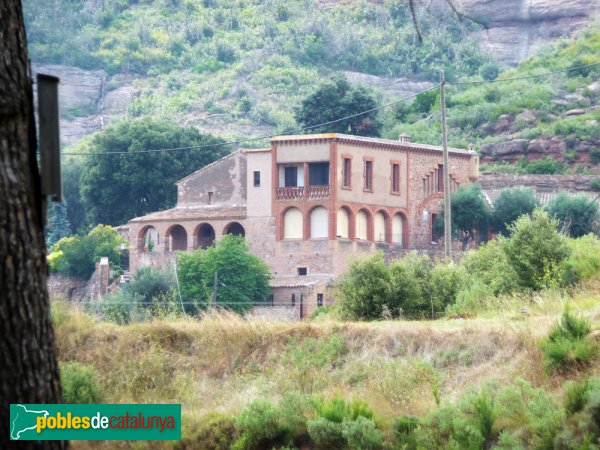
28	357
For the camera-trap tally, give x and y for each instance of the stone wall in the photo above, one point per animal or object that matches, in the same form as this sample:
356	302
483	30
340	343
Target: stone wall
548	183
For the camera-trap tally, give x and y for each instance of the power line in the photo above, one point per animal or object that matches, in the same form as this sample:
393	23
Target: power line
525	76
330	122
241	141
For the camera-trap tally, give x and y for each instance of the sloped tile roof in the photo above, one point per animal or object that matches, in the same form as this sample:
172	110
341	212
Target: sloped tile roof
196	213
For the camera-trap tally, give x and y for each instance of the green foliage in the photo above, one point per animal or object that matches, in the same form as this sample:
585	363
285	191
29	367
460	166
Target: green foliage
489	265
143	182
584	259
215	432
470	214
568	346
242	278
77	255
582	405
76	214
544	166
576	215
335	99
79	383
58	223
510	205
489	71
536	251
260	426
412	287
150	283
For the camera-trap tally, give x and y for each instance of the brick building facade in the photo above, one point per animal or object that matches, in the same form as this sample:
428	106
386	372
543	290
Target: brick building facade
307	205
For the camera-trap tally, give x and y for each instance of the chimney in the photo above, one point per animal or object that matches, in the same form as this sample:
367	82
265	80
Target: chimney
471	147
404	137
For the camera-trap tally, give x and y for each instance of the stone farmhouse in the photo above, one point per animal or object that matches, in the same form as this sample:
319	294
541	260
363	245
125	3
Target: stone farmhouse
308	205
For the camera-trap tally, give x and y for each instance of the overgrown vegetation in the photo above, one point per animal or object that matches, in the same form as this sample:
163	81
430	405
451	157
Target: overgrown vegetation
77	255
534	256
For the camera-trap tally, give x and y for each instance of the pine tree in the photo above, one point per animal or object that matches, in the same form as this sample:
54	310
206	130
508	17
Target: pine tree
58	223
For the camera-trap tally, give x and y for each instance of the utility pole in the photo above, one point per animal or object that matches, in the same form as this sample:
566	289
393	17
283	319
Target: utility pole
213	297
447	208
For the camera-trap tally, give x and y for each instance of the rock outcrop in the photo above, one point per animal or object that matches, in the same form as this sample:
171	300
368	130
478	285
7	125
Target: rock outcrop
518	28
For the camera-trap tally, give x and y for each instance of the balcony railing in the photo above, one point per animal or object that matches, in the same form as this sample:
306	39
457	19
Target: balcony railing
303	192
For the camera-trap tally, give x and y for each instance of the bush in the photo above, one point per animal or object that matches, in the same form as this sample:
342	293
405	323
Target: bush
77	255
412	287
584	260
259	425
510	205
216	432
576	215
568	346
536	251
544	166
489	71
243	278
79	383
489	265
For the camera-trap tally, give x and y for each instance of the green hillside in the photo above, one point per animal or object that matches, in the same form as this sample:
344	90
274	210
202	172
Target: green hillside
562	107
249	62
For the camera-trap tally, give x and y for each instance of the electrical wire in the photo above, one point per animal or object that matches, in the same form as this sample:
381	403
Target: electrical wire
330	122
241	141
502	80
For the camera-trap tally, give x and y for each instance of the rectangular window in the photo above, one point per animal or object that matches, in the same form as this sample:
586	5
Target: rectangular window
302	271
368	175
256	178
210	198
293	299
440	178
291	176
318	174
347	173
396	178
319	299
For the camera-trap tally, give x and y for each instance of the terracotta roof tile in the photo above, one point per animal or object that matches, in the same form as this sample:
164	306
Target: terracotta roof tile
197	213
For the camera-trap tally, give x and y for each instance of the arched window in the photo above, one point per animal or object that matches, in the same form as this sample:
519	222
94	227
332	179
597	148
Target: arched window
236	229
205	236
379	225
177	238
362	225
292	224
398	229
149	238
319	222
343	223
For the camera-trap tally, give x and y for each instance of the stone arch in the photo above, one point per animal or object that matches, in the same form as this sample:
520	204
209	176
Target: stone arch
235	228
363	224
293	223
205	236
148	238
319	222
344	218
380	226
399	229
176	238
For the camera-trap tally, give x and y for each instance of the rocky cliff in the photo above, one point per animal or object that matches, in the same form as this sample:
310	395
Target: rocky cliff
517	29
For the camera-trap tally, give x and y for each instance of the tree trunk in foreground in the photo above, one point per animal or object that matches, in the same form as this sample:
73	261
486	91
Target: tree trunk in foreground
28	363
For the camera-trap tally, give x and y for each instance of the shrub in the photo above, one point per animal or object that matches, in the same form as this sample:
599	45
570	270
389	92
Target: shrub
567	346
404	429
489	71
259	426
77	255
582	403
216	432
584	259
510	205
595	155
544	166
489	265
243	278
150	283
576	215
536	251
79	383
